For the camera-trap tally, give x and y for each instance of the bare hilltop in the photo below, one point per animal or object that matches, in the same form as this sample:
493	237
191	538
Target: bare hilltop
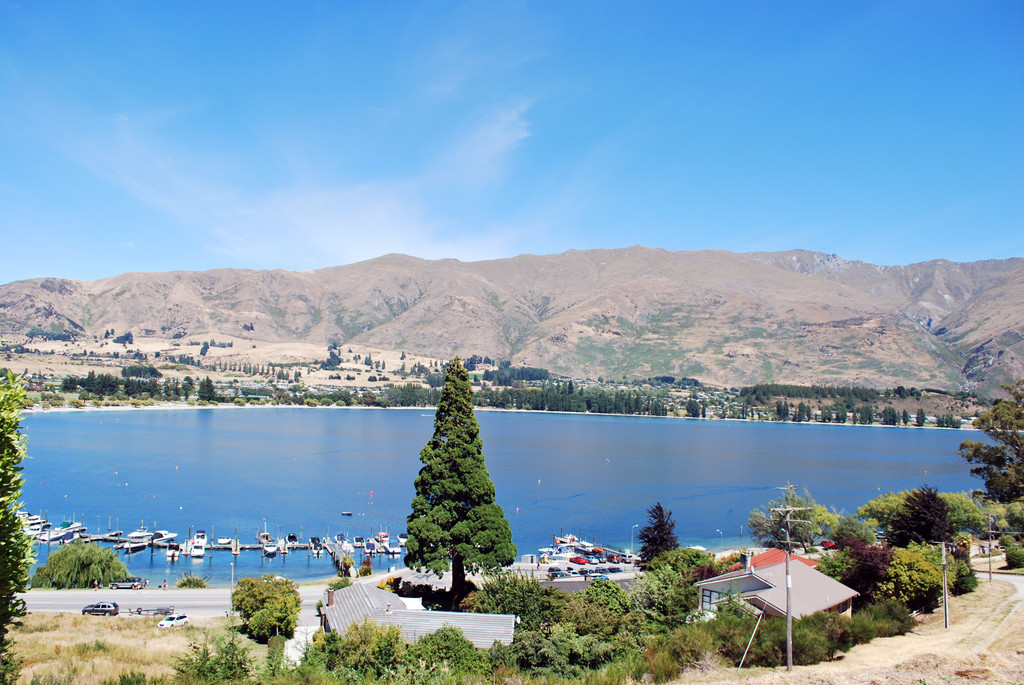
725	318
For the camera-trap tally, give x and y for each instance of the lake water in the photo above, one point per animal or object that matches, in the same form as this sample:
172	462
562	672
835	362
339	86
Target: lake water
297	469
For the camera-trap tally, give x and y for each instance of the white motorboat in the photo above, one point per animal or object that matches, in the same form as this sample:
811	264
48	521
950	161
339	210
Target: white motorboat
394	548
142	534
402	537
198	550
223	541
131	547
358	542
57	532
163	536
270	550
173	551
347	548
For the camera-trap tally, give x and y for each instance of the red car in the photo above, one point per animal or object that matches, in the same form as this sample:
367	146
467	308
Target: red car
827	544
578	560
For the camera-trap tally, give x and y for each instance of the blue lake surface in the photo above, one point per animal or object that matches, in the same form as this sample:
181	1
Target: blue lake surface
297	469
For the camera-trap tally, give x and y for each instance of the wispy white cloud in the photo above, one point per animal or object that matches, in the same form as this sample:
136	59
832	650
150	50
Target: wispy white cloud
477	157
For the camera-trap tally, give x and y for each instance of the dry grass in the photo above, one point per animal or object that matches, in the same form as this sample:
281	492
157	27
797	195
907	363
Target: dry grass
91	649
984	643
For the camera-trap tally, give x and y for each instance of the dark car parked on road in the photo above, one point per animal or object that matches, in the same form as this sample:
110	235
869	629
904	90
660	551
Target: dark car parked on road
101	609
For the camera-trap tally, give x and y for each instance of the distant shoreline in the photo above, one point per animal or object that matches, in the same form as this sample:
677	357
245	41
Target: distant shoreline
179	406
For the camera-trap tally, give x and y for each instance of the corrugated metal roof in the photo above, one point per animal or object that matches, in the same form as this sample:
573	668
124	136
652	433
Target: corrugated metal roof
360	602
812	590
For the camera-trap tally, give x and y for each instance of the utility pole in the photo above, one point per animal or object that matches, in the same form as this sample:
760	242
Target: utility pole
991	523
945	592
788	511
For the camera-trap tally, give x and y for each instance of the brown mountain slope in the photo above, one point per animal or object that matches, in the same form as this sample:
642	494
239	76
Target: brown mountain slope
726	318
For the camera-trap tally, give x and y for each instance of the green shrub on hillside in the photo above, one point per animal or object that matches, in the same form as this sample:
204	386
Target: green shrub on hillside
191	581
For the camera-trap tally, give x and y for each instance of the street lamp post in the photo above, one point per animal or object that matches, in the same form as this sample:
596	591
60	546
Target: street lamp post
721	541
635	526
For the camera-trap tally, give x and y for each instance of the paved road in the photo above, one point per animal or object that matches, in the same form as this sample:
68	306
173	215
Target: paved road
204	603
208	602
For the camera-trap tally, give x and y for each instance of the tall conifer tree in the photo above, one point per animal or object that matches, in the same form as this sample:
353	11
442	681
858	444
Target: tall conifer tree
15	550
455	523
659	535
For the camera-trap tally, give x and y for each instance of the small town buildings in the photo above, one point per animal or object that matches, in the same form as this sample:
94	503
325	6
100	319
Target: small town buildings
359	602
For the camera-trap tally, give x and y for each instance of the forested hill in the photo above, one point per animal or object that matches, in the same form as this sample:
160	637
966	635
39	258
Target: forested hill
728	319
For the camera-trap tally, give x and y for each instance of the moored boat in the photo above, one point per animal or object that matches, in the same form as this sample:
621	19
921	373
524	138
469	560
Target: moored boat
198	550
132	546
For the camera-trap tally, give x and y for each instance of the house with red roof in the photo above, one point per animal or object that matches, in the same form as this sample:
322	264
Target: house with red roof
769	558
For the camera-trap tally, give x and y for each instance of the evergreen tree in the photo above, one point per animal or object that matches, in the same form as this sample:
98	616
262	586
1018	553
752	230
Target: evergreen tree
659	535
15	550
921	418
207	392
455	523
923	518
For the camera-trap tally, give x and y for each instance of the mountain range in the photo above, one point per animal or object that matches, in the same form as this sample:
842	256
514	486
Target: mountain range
721	317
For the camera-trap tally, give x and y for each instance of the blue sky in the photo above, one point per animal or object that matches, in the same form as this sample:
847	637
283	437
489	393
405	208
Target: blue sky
153	136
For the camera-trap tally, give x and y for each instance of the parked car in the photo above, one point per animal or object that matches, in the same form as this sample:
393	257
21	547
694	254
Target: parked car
614	559
600	569
557	574
101	609
614	569
599	577
173	621
129	583
578	560
827	544
555	569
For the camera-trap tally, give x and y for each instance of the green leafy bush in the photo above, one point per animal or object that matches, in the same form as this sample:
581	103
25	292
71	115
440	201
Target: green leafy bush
268	606
888	616
227	660
339	582
1015	557
366	649
449	650
523	596
913	579
964	579
190	580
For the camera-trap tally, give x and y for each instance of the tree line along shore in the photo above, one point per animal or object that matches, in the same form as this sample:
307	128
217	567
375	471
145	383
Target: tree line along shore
500	386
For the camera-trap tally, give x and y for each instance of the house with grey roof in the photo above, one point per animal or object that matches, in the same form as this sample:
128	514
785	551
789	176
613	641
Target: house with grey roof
764	588
359	602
